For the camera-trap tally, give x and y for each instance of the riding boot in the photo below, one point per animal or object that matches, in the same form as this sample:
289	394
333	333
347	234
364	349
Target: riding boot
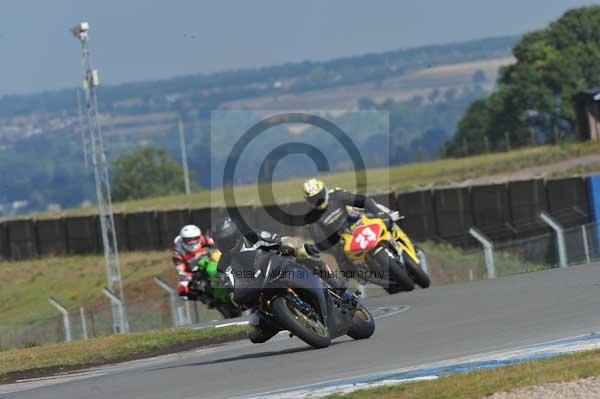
259	329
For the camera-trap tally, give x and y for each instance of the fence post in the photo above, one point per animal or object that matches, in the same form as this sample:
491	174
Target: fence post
196	312
488	251
188	312
117	301
66	320
423	260
560	237
586	245
83	322
172	299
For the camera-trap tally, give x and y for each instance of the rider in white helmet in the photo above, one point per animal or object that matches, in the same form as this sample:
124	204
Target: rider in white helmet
188	247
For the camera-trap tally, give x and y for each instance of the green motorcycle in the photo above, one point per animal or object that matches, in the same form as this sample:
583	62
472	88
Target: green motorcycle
213	293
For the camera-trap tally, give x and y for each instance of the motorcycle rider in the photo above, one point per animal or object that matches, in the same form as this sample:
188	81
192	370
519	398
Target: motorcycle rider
188	247
329	216
233	245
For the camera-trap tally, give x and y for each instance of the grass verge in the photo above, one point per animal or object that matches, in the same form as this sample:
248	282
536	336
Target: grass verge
400	178
480	384
26	285
50	359
447	264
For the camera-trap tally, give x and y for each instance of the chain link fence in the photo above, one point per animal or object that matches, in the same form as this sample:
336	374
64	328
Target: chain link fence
447	264
149	314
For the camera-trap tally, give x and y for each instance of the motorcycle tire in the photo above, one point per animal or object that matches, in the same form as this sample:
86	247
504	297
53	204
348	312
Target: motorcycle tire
399	278
363	324
417	274
286	318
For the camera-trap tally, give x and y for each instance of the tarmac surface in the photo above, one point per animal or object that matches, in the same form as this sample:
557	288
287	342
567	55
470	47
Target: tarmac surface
413	329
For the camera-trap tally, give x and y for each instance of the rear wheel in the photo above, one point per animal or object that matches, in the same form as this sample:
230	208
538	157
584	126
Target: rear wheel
309	328
363	324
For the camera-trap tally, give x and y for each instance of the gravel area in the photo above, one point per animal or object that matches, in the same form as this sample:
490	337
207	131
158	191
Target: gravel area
586	388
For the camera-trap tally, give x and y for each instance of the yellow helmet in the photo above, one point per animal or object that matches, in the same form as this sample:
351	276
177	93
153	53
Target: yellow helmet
315	193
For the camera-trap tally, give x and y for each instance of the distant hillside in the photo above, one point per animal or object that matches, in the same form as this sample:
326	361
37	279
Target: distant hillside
425	89
204	92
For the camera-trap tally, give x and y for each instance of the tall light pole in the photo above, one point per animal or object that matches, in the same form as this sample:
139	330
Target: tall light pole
107	222
186	172
82	132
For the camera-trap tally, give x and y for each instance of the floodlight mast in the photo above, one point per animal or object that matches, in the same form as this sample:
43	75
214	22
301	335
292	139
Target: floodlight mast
107	222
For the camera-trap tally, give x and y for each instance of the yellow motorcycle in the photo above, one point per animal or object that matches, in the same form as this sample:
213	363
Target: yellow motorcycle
384	253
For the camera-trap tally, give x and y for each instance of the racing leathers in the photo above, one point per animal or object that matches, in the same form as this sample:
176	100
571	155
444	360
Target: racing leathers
185	261
327	224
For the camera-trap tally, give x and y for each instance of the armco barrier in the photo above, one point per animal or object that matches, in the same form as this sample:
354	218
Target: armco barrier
267	222
249	215
568	201
297	208
121	231
385	199
453	212
527	199
21	239
83	234
4	248
142	231
491	213
203	217
443	213
170	223
417	209
51	237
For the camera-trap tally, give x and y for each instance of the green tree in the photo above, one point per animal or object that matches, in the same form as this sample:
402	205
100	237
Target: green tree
536	92
146	172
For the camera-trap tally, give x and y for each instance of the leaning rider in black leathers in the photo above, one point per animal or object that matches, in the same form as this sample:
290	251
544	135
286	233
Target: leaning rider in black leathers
329	217
236	250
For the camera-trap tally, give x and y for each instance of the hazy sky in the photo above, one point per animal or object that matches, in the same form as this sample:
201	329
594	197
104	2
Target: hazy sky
142	39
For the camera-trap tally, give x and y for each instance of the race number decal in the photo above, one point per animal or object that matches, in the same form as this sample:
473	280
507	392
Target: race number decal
364	238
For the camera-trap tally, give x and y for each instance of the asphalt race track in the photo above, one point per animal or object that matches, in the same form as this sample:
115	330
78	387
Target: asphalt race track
440	323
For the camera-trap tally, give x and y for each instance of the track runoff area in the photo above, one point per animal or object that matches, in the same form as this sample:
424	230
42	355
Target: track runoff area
419	335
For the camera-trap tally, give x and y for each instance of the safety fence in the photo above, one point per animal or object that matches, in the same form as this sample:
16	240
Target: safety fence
446	264
502	211
561	248
96	320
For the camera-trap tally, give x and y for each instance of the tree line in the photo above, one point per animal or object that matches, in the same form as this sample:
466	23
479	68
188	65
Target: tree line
534	99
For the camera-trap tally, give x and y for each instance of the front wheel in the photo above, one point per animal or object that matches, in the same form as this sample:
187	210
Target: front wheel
306	327
417	274
363	324
399	280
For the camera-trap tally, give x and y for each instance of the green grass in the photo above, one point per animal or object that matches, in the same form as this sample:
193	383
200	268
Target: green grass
77	280
26	285
480	384
400	178
580	170
448	264
112	348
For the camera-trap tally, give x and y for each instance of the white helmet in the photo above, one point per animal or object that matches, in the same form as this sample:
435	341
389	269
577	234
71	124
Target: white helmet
190	235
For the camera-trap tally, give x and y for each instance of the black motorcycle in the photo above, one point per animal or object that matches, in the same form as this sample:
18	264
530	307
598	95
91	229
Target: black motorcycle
291	297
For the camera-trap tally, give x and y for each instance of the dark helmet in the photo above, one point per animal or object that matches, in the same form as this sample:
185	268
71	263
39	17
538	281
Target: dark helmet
227	236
